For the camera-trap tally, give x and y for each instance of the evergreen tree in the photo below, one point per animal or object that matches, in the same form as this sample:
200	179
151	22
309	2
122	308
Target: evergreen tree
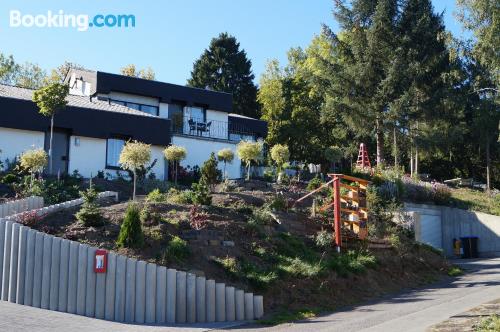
131	235
224	67
210	174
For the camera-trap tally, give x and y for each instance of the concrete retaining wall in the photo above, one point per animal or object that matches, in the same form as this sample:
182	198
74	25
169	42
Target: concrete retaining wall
41	211
434	222
48	272
20	205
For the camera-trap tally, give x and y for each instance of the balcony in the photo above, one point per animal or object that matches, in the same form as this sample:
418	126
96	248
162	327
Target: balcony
210	129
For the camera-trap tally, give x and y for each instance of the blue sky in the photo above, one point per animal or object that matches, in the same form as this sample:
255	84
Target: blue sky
171	34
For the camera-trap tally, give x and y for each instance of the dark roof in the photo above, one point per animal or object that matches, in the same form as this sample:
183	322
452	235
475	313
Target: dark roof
82	117
73	100
244	124
104	83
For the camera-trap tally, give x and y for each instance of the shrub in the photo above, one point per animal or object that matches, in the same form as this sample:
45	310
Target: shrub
210	174
9	178
90	215
277	203
33	161
131	234
260	217
315	183
323	239
156	196
201	194
149	218
197	219
177	250
30	218
176	196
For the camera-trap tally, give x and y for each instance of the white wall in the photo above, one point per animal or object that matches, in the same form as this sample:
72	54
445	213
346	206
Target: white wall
89	157
163	111
198	151
14	142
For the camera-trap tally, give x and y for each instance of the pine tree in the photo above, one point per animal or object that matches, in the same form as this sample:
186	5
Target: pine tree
224	67
131	235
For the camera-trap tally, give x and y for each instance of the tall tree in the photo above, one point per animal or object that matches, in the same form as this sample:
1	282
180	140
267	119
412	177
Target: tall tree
363	86
223	66
131	70
57	75
482	17
423	60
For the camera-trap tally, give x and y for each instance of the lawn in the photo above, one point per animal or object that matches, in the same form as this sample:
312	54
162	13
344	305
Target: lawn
476	200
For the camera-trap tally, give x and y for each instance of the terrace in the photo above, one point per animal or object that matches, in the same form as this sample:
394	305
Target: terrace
211	129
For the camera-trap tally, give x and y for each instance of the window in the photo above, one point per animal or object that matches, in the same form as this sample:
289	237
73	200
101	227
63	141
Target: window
197	113
153	110
241	137
113	149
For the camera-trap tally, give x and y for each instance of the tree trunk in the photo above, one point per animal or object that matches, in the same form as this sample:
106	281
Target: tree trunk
135	177
395	149
488	165
416	158
248	171
175	170
50	142
411	159
380	142
225	175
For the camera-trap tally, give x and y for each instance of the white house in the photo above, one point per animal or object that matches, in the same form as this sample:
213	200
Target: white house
105	110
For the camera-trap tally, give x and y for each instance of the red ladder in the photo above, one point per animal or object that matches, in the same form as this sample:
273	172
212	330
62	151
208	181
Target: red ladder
363	160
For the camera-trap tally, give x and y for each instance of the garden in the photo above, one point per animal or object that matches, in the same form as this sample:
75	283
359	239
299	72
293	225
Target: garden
246	232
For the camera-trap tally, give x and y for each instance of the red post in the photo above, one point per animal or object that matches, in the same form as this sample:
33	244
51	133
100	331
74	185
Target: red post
336	211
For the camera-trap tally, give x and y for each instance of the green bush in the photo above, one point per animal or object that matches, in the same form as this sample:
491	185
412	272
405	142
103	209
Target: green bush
314	184
176	196
210	174
352	262
131	235
260	217
323	239
177	250
90	215
201	194
149	218
9	178
277	203
156	196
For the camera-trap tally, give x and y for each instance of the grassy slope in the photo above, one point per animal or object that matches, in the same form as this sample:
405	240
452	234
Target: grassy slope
476	200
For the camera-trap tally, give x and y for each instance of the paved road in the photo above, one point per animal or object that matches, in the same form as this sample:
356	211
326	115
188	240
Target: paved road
411	311
19	318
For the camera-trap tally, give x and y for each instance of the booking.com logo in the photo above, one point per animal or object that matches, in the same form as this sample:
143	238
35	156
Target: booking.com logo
81	22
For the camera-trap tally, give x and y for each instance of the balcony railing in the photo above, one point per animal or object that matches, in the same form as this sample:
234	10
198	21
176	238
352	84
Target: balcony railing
209	129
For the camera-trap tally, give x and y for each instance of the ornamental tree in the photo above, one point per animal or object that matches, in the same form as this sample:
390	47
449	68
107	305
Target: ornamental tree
280	155
33	161
226	156
175	154
249	151
51	99
134	156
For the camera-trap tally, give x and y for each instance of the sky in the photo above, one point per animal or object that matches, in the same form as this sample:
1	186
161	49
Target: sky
170	35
